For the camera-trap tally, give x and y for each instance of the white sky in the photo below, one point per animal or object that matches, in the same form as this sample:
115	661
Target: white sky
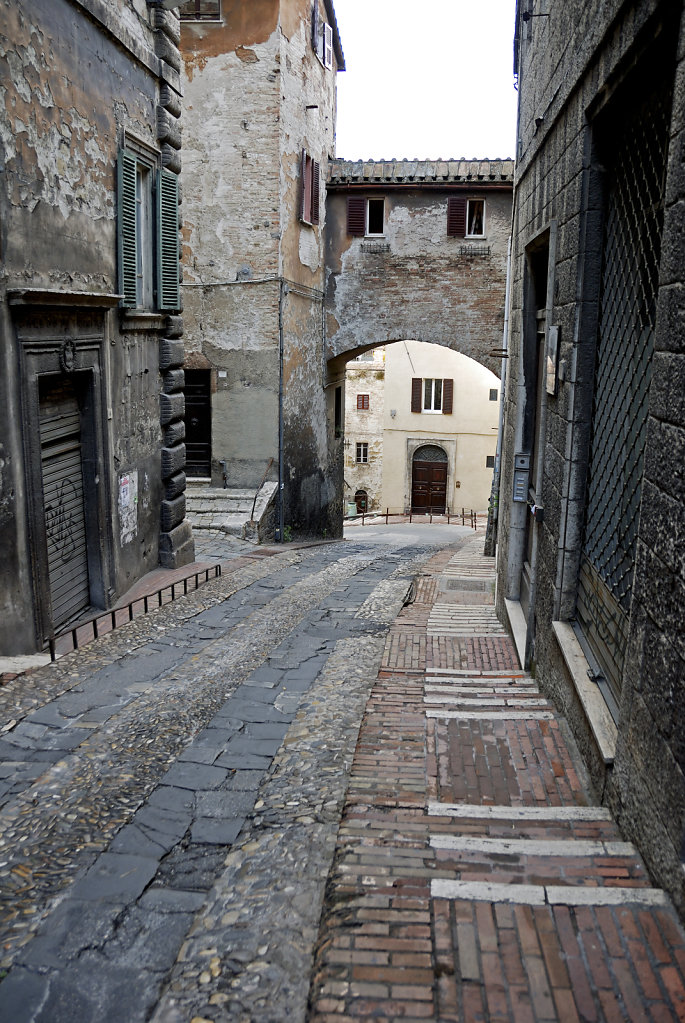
426	78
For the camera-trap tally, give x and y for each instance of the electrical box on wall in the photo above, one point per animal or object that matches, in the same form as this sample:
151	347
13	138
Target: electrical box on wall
521	476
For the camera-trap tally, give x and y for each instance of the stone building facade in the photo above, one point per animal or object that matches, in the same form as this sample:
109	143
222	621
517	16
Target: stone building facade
363	431
420	429
91	390
259	123
591	530
417	249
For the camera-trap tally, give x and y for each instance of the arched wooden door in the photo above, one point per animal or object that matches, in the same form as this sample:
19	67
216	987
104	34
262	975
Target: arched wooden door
429	480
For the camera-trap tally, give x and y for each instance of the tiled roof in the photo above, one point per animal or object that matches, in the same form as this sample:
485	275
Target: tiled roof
349	172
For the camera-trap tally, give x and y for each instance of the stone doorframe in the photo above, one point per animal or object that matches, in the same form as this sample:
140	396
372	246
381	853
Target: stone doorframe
449	446
62	333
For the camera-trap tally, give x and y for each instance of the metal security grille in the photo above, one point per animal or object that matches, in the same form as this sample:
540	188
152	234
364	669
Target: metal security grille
633	225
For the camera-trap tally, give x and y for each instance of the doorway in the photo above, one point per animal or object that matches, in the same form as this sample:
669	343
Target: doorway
429	480
198	422
63	498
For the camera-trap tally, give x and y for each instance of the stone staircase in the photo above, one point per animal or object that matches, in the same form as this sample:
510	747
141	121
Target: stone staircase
230	510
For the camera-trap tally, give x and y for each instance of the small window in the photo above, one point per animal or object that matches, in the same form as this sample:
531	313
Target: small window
494	394
375	216
432	395
362	401
143	236
362	452
200	10
322	38
490	462
338	414
309	189
475	218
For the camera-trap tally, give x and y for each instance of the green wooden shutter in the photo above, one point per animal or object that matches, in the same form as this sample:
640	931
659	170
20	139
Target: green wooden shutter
127	240
168	287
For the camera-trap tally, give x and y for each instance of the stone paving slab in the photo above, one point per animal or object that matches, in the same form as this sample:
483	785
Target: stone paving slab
136	814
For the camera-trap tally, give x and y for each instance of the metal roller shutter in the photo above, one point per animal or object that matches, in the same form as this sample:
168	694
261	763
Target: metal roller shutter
65	527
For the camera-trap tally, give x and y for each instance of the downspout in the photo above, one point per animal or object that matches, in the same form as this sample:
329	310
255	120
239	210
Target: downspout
283	290
503	378
491	538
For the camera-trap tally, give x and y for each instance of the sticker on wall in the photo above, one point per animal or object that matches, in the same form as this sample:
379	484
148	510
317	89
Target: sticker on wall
128	506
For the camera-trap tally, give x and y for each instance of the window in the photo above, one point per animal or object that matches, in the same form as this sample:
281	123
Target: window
489	461
465	217
475	218
200	10
362	401
147	215
493	394
309	189
362	452
375	216
432	395
322	38
365	216
338	414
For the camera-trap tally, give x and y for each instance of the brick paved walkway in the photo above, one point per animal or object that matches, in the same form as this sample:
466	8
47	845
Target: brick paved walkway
473	880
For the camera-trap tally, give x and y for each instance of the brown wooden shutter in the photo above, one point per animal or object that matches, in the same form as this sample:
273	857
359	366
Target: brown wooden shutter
456	216
356	215
447	397
316	169
416	391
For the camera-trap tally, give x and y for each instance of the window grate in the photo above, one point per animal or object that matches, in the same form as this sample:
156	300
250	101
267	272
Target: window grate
632	235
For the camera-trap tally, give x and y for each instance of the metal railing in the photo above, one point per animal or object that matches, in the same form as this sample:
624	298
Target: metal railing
127	613
409	516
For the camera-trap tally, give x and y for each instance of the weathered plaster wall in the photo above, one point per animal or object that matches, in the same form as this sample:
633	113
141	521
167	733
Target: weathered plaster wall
468	435
422	287
71	85
256	96
570	62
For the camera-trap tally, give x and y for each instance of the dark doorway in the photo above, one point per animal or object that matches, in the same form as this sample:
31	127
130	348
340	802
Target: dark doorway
429	480
361	499
63	497
198	422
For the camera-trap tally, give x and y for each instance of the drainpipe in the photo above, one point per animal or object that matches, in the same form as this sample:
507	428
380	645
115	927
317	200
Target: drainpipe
503	371
283	291
491	536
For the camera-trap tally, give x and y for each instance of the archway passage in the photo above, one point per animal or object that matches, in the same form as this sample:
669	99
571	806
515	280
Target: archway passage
429	480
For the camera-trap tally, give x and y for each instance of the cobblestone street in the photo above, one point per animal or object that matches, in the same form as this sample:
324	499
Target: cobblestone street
318	788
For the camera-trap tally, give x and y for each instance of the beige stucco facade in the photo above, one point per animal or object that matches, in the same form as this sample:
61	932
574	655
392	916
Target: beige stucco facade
393	433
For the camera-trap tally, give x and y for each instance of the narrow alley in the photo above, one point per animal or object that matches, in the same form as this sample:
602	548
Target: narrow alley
318	788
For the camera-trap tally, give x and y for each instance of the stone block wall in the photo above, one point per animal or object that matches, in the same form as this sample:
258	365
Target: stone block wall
573	64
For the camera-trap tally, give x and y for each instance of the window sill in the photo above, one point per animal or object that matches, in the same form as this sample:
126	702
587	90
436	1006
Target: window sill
596	711
141	320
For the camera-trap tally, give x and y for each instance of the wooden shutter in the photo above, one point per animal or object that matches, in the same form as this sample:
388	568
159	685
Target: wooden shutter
356	215
416	391
447	397
327	46
126	228
456	216
168	287
316	172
